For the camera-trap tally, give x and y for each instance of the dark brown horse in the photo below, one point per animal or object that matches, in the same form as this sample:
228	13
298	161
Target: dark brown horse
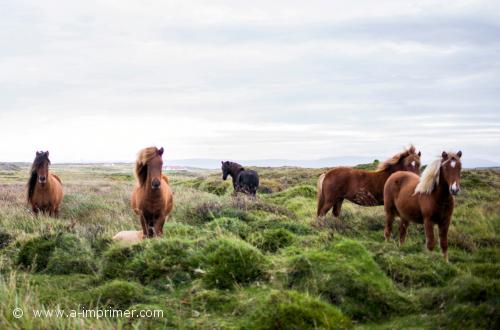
245	181
361	187
45	191
152	198
427	200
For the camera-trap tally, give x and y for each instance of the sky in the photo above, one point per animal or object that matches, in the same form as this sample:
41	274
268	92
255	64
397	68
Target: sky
99	80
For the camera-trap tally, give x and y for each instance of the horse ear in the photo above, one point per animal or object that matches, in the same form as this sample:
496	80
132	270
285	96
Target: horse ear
47	153
444	155
459	154
160	152
419	153
38	153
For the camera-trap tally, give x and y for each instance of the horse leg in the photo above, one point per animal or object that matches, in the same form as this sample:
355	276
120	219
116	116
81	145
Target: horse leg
403	230
443	238
389	220
337	207
327	205
158	226
429	234
144	226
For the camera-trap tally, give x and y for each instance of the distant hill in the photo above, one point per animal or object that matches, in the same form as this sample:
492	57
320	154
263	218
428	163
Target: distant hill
207	163
317	163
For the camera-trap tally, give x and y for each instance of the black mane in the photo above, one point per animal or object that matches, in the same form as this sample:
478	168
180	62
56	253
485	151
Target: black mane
39	160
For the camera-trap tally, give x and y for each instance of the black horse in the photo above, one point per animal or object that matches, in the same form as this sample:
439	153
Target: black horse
245	181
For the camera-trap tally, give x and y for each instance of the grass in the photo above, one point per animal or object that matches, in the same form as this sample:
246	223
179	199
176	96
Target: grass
235	262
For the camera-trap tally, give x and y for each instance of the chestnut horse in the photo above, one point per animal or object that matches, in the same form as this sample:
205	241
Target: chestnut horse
45	191
361	187
428	199
152	198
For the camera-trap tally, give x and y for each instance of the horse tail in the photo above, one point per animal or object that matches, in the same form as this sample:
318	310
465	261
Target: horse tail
321	197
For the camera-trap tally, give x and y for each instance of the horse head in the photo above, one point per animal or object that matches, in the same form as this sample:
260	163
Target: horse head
411	162
225	169
41	166
155	166
451	167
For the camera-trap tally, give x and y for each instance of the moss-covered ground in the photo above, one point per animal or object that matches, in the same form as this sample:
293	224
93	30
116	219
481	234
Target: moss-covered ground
231	262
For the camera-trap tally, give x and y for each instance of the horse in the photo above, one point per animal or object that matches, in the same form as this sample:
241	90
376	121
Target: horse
152	197
45	191
427	200
361	187
245	181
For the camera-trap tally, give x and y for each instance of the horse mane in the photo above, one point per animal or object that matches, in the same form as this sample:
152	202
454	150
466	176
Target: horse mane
235	167
430	178
141	164
385	165
31	185
39	159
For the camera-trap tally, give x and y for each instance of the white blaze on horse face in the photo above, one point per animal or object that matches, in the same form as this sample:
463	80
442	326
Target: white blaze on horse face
413	163
453	163
454	186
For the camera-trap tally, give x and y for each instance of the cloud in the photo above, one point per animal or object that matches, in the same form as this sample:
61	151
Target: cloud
249	80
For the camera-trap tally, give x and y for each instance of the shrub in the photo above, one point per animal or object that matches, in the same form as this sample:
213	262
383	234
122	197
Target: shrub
119	294
36	252
210	210
213	300
347	276
5	239
231	261
71	261
267	186
232	225
116	261
416	269
176	229
271	240
217	186
294	310
167	259
282	222
467	302
57	254
297	191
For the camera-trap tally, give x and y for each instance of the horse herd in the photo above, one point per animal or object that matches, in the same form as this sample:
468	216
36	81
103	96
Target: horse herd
396	184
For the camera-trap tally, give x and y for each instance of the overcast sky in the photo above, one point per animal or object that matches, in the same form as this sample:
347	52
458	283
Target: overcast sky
98	80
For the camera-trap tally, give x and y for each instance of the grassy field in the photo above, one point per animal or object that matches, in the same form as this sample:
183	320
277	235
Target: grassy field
232	262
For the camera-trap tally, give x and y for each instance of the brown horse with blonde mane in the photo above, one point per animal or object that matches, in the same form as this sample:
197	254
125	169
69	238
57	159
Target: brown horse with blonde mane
152	198
45	191
427	200
361	187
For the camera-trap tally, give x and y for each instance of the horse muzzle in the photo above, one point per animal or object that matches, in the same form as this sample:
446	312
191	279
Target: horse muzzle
42	179
454	189
155	185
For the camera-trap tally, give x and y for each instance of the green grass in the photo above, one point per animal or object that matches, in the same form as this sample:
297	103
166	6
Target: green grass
229	262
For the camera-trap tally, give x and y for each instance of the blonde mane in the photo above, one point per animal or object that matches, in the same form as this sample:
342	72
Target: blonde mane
385	165
430	178
141	164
